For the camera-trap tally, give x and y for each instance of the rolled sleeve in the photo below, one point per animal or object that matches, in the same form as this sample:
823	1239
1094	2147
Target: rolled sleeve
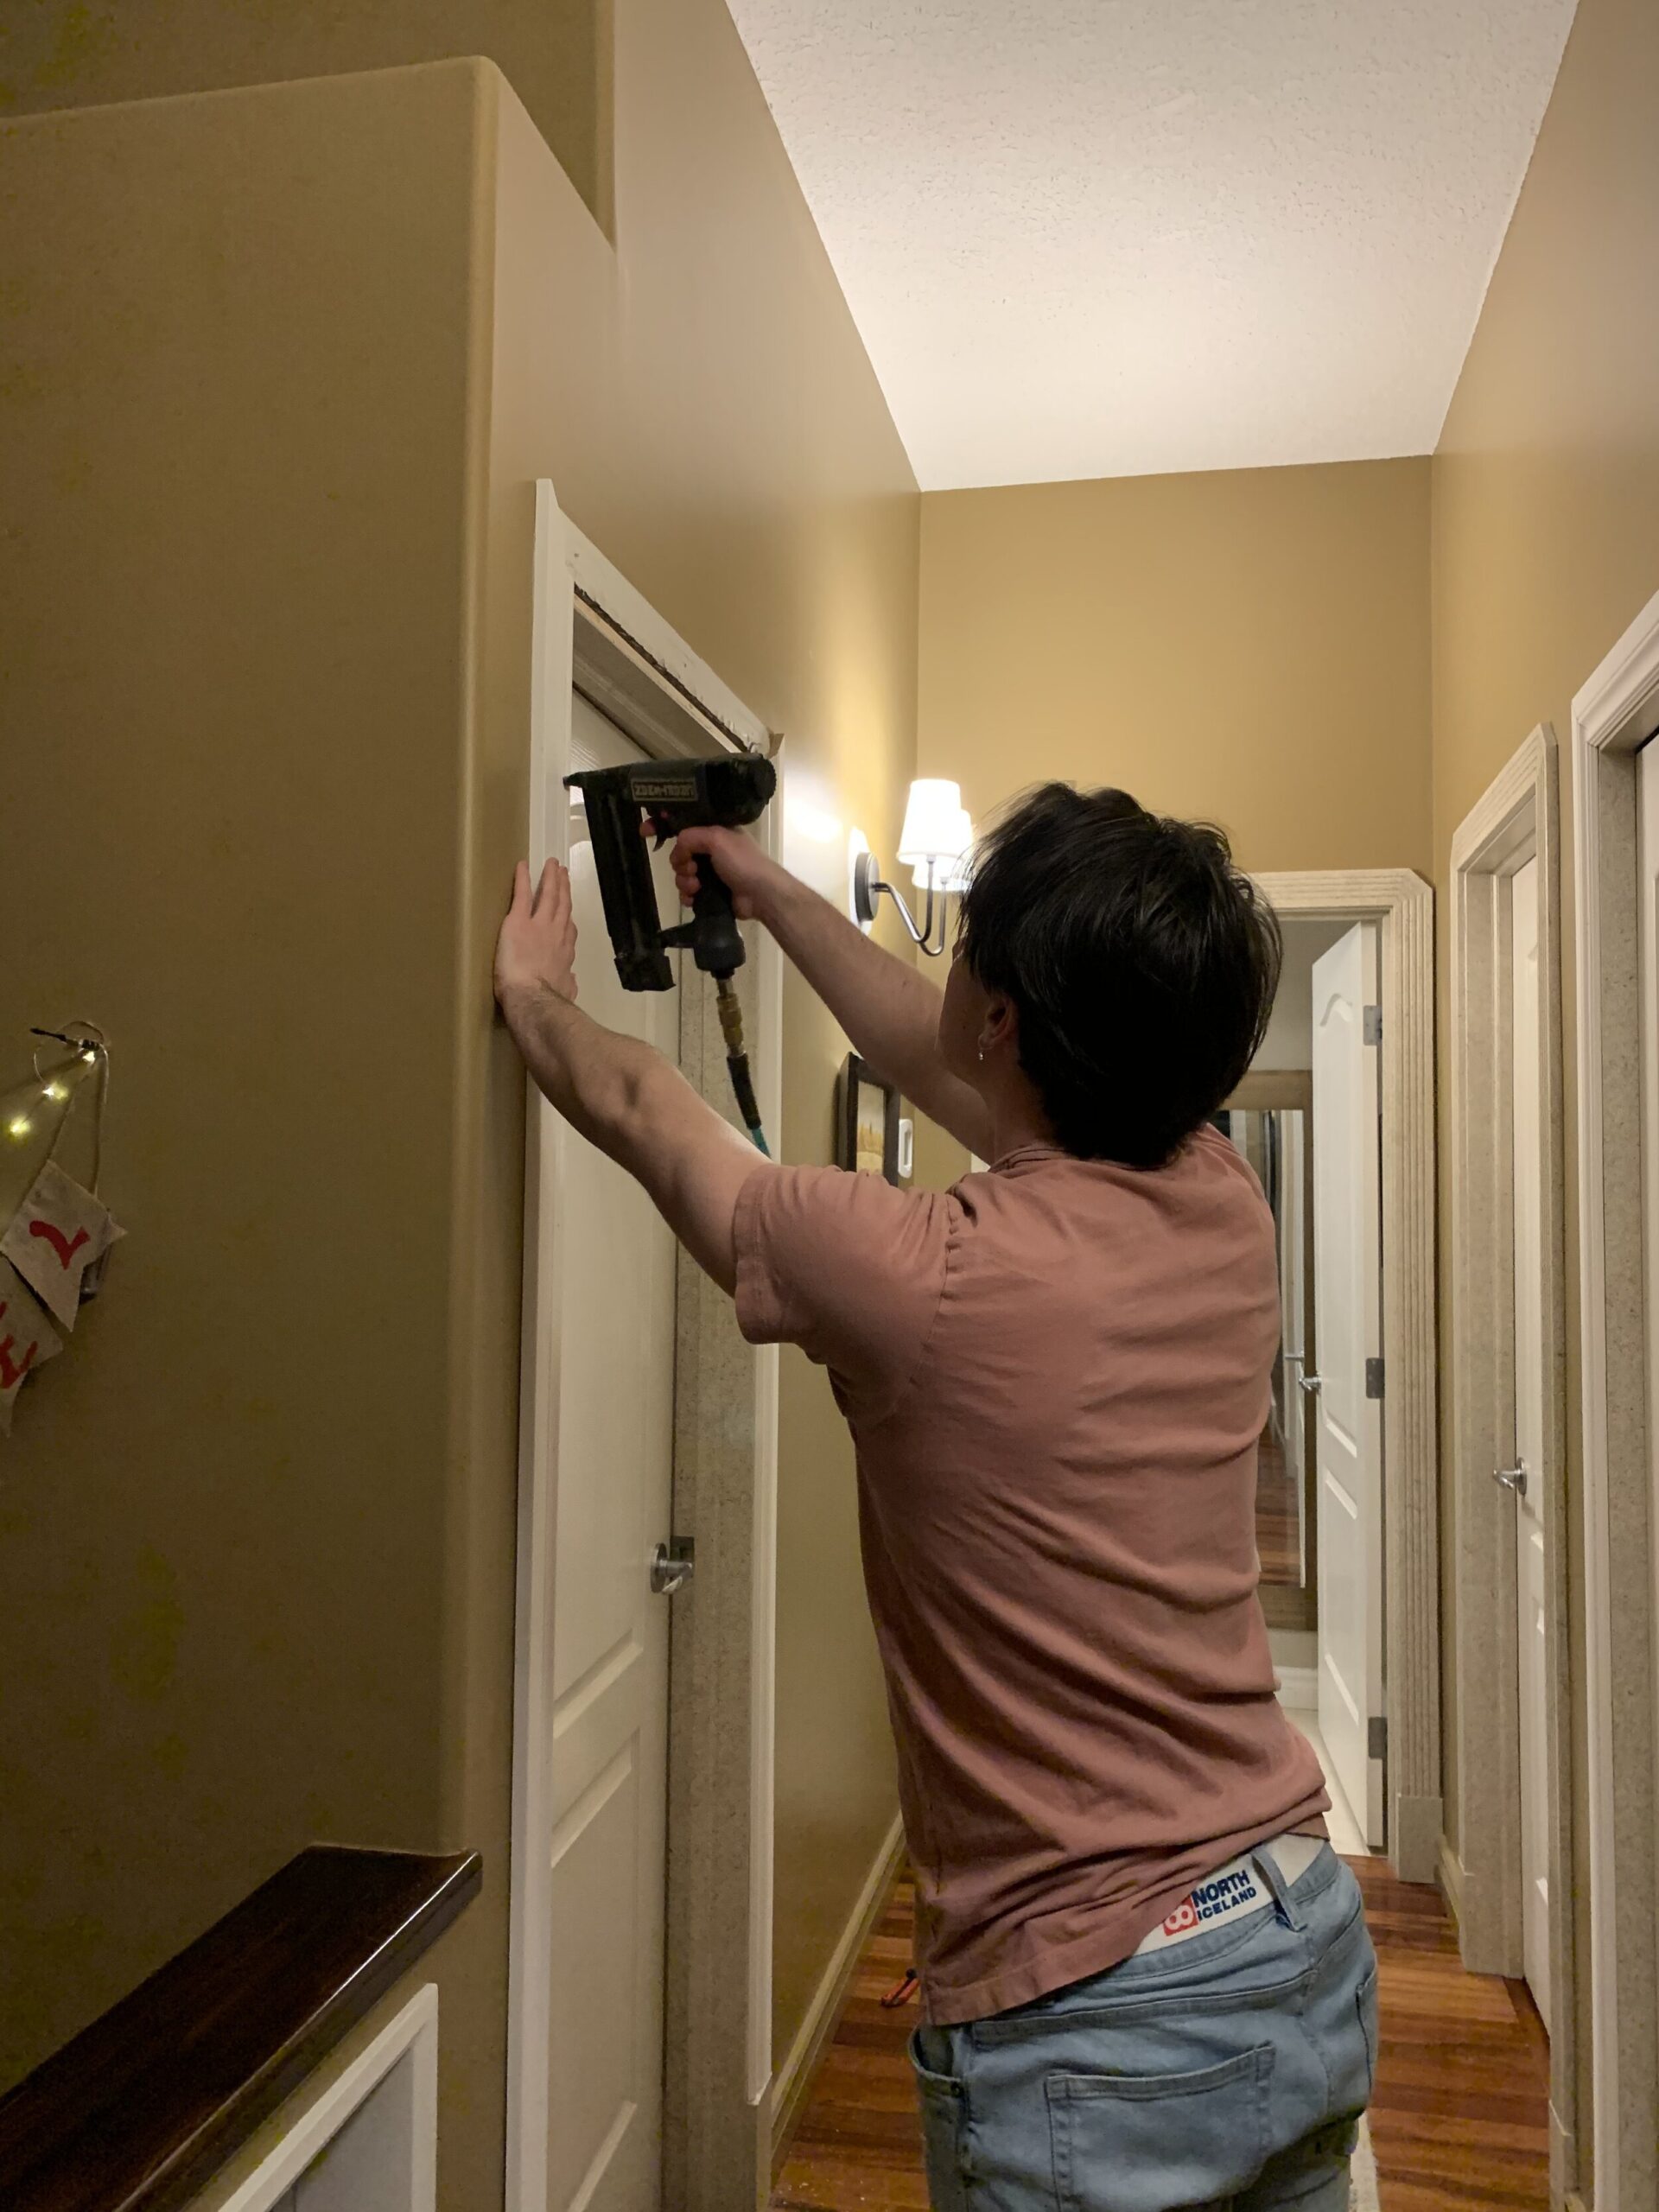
846	1267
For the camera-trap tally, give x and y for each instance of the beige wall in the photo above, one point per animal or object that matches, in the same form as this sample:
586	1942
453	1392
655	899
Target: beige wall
1546	492
1250	647
289	362
235	659
556	54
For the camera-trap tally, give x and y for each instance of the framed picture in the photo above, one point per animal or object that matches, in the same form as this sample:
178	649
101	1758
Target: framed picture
867	1121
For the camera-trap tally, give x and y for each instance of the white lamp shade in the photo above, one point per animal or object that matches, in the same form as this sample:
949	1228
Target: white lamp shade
950	863
933	816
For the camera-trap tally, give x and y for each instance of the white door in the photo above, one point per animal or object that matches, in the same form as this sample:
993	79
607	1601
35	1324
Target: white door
607	1759
1348	1324
1528	1464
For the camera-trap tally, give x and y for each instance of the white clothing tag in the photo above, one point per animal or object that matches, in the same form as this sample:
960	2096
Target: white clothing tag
1231	1891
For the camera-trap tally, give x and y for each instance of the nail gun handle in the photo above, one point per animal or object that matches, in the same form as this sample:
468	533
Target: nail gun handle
716	941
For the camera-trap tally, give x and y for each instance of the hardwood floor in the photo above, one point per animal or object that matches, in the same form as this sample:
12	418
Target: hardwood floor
1459	2120
1278	1530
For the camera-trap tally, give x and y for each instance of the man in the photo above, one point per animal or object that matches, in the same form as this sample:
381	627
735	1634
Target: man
1146	1979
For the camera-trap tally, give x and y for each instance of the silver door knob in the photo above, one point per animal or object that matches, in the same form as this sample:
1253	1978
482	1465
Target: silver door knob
672	1565
1312	1383
1513	1478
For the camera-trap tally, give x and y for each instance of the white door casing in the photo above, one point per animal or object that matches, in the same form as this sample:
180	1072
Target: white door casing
1347	1291
1529	1459
1615	713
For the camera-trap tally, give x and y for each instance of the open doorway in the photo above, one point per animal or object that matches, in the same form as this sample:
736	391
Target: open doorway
1336	1114
1319	1530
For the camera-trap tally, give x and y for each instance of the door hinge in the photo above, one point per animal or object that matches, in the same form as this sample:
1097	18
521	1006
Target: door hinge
1377	1737
1373	1025
1373	1378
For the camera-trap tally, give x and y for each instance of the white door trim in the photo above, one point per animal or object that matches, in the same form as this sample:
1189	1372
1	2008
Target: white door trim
1403	904
1516	819
717	2062
1613	715
275	2159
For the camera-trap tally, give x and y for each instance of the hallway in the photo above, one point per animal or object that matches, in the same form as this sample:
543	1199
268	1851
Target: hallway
1459	2120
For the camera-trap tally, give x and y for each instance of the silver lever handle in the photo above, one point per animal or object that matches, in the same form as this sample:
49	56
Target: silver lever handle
1513	1478
1313	1382
672	1565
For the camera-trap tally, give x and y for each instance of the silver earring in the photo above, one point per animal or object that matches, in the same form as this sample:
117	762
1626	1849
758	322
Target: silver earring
982	1052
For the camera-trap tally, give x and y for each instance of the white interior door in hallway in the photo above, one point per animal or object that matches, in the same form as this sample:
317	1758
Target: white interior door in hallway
1524	1476
607	1759
1348	1298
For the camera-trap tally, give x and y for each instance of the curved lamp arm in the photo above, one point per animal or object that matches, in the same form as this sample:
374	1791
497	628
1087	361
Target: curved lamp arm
868	887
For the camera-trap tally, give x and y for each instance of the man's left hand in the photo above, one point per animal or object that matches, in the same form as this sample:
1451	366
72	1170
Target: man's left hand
538	943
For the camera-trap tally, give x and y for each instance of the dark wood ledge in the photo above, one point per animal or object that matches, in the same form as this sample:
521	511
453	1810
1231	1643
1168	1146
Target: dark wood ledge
145	2106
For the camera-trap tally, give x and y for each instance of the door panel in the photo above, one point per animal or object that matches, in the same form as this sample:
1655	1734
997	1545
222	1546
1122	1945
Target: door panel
1529	1533
607	1762
1347	1292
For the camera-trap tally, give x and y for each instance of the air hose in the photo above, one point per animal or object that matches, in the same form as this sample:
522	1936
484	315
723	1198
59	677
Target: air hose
737	1061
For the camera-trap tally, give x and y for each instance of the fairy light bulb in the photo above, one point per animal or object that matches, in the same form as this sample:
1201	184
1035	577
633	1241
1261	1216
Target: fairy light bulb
54	1091
19	1126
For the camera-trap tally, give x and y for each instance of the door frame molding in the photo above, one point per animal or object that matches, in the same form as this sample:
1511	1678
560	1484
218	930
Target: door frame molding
593	632
1613	715
1403	905
1516	819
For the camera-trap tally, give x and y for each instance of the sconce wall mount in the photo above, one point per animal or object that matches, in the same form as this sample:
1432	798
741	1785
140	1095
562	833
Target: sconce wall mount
868	887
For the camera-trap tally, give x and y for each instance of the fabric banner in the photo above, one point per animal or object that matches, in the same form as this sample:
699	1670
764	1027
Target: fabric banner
59	1232
28	1339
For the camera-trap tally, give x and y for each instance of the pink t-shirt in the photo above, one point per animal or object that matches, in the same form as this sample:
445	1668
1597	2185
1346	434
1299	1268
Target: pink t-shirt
1055	1375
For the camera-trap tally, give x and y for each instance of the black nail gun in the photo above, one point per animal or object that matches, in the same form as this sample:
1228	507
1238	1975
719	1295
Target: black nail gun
674	795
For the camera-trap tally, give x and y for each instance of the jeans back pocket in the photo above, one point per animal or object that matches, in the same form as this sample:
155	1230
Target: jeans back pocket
1152	2142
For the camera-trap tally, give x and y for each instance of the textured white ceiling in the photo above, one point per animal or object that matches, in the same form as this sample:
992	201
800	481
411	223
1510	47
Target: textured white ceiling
1102	237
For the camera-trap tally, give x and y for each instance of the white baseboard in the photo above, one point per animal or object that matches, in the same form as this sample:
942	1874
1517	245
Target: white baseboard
793	2078
1451	1878
1299	1689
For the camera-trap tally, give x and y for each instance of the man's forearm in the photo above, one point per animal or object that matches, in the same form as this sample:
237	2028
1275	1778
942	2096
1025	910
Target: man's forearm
639	1110
889	1009
598	1079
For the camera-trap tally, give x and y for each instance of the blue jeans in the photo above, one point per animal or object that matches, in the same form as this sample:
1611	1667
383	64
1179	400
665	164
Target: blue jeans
1227	2072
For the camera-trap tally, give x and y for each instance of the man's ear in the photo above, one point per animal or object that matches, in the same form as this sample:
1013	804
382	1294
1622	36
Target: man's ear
1000	1025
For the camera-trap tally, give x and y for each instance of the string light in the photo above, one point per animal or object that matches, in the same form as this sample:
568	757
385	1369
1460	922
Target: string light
54	1091
18	1126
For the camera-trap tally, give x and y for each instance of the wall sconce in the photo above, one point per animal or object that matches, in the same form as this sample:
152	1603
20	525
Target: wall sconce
935	845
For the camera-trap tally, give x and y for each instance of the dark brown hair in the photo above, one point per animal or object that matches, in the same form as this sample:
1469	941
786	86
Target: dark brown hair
1142	963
